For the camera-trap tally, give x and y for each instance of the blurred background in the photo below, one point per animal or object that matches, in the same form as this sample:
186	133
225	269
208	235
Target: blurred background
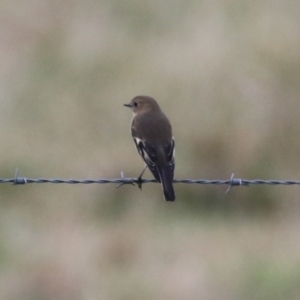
227	74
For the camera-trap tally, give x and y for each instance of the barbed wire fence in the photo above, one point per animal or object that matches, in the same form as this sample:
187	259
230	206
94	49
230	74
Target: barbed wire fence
19	180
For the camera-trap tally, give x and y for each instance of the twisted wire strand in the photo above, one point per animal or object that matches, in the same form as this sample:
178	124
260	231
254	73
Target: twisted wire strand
18	180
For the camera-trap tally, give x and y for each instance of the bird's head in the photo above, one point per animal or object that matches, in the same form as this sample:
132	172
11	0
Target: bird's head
142	104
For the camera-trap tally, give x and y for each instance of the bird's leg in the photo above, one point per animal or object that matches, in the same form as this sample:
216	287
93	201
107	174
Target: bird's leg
139	179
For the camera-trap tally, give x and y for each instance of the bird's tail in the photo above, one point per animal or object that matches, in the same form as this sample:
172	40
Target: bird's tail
166	176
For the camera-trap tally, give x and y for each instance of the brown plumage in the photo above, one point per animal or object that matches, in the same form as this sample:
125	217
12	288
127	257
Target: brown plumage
152	134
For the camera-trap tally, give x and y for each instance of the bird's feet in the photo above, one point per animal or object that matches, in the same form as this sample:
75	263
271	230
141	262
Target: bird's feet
140	180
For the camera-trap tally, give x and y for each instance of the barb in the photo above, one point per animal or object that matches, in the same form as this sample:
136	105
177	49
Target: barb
235	182
125	181
18	180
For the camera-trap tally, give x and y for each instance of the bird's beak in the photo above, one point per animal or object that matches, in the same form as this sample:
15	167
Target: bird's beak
128	105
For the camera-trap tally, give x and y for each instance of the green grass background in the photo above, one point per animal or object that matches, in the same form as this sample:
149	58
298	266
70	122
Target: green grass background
226	73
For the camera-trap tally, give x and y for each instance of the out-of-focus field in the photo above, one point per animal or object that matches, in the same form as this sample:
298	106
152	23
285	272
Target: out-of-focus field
227	74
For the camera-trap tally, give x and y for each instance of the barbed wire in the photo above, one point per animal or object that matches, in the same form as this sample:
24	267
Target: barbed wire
18	180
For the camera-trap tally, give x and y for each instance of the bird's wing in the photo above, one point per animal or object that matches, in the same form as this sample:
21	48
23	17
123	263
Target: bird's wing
170	152
149	155
170	156
147	152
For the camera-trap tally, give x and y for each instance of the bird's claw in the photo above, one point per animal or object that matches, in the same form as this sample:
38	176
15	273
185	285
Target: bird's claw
140	180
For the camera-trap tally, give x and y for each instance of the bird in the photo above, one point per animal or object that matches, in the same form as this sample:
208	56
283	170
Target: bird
152	134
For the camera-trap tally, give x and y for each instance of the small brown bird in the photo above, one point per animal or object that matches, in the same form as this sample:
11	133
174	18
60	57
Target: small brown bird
152	134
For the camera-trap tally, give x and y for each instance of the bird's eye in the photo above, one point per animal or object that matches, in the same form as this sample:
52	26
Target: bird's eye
135	104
